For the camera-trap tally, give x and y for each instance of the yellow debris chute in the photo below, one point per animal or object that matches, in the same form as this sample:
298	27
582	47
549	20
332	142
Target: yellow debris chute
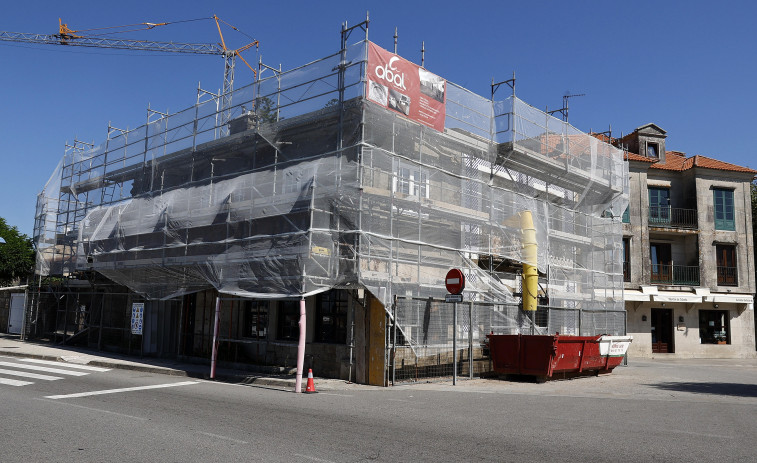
530	273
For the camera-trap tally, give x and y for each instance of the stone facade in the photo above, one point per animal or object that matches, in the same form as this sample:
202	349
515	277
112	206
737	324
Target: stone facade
690	281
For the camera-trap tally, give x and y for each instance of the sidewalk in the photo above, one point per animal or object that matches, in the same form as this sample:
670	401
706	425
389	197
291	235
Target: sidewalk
12	346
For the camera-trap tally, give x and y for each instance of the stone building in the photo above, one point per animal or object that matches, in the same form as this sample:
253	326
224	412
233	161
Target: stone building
688	252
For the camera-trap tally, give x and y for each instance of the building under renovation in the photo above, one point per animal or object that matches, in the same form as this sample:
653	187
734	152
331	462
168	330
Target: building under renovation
356	182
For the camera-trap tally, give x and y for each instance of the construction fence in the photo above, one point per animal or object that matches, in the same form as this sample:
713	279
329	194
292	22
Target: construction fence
427	333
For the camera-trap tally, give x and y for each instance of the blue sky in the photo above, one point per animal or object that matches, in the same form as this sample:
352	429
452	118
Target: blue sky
689	67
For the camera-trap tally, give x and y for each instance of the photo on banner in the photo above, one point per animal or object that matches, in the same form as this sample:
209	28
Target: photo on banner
406	88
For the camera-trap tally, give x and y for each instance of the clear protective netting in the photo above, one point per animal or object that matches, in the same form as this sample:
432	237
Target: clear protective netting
303	185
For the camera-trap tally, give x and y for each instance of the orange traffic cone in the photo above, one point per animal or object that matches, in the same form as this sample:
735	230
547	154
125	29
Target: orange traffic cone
311	384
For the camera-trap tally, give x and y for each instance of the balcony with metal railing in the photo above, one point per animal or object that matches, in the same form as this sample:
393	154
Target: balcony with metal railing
684	275
728	276
673	217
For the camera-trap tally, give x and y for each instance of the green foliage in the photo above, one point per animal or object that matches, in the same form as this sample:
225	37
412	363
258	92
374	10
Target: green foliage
16	254
266	110
754	221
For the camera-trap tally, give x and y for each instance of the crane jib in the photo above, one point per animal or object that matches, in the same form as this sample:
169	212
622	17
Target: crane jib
124	44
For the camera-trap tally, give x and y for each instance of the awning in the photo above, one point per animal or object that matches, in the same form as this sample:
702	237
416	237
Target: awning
730	298
672	296
636	296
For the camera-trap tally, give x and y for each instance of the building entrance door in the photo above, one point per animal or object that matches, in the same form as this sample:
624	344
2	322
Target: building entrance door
662	331
18	302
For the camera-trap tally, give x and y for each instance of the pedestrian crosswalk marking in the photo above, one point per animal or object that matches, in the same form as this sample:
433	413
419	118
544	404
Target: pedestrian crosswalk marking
123	389
28	375
20	367
67	365
45	369
14	382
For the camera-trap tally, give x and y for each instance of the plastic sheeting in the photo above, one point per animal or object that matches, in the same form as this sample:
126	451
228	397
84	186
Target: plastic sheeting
315	187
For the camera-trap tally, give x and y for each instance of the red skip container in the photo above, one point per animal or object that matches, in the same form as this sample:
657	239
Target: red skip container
545	356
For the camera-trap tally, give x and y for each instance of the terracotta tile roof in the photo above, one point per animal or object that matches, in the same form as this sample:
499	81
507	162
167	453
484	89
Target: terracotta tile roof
629	156
677	161
709	163
603	137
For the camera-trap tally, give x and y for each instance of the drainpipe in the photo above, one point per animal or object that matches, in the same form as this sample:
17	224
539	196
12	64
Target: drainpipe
530	278
301	348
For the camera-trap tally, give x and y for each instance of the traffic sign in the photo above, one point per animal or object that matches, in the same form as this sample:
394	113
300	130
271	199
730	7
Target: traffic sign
453	298
455	281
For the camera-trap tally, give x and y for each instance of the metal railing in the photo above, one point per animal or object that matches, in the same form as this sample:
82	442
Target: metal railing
675	274
672	217
728	276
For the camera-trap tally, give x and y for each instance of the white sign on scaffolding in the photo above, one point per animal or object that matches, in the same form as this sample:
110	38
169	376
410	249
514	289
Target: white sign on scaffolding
137	317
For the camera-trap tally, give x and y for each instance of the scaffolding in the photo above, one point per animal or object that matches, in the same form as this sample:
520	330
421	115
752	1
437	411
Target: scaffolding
312	185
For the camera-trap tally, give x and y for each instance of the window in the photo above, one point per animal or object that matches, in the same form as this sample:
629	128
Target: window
411	182
627	215
256	319
626	259
726	265
289	321
713	327
295	180
659	206
724	212
653	150
331	317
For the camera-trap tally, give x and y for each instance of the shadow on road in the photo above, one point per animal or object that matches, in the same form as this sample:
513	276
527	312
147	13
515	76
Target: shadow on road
730	389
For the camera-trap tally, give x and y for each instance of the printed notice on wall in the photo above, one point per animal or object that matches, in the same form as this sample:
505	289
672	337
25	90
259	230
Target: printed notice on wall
406	88
137	314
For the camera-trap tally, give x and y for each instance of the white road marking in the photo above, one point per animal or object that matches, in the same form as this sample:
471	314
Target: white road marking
48	370
67	365
314	458
69	404
223	437
115	391
25	374
14	382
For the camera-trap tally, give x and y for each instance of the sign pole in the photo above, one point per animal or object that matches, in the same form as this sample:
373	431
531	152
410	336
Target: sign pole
214	354
454	344
470	340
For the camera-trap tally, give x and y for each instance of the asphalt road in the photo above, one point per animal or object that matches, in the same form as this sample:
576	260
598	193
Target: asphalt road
654	411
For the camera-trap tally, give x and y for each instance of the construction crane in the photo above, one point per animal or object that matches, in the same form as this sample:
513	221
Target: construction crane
79	38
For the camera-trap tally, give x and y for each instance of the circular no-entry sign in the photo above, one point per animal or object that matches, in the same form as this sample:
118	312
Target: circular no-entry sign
455	281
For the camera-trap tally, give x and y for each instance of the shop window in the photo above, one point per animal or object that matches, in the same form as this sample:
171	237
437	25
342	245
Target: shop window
256	319
288	321
331	317
713	327
726	265
724	209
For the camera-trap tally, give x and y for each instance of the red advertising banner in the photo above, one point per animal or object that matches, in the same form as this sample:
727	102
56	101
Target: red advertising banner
407	88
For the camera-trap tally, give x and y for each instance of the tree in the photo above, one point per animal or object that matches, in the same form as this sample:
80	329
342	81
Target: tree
16	254
754	222
266	110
